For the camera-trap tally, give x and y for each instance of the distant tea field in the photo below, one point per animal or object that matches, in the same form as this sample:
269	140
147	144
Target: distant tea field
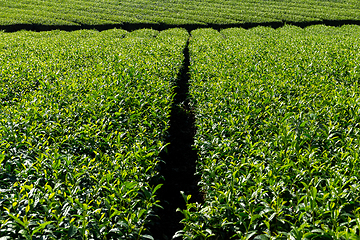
174	12
179	119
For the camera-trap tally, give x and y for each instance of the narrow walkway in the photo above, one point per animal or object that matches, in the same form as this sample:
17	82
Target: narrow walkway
180	161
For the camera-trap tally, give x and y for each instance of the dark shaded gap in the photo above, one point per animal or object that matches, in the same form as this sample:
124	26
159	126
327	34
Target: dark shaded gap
180	160
163	26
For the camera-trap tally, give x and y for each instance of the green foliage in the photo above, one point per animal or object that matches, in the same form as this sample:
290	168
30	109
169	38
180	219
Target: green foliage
175	12
82	122
277	116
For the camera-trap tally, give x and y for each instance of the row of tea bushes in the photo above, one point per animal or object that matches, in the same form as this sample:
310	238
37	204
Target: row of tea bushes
82	122
175	12
278	125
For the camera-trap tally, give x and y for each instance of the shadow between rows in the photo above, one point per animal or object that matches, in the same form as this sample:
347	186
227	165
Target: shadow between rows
179	160
163	26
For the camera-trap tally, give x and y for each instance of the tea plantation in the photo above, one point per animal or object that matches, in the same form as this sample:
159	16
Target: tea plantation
83	119
174	12
277	113
86	111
